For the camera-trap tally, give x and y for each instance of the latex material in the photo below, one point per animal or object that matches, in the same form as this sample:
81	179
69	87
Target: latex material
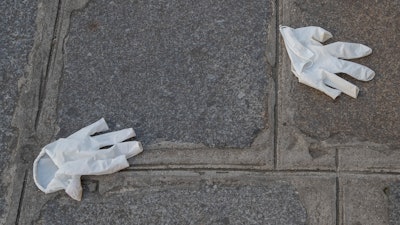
60	164
315	64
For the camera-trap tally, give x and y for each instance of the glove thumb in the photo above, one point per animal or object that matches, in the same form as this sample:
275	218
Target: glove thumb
74	188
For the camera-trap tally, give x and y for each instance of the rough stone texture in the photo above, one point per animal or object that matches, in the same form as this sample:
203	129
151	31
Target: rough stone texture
209	62
358	22
316	119
393	193
369	156
259	156
162	198
317	193
192	71
364	199
17	25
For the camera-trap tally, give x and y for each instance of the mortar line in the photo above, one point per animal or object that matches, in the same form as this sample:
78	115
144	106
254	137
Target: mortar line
21	198
276	86
338	212
337	159
43	79
272	171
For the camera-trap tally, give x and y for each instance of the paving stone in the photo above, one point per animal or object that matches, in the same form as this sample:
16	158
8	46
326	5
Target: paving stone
170	198
312	126
188	72
16	39
200	76
317	193
393	192
369	156
364	199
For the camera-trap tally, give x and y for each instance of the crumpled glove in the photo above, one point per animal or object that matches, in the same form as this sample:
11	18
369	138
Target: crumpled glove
61	164
315	65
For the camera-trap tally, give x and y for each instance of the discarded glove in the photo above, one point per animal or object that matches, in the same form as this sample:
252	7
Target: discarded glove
315	65
61	164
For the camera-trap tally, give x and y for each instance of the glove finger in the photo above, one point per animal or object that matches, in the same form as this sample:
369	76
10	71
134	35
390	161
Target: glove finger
114	137
331	92
355	70
93	128
316	33
74	189
94	166
341	84
347	50
129	148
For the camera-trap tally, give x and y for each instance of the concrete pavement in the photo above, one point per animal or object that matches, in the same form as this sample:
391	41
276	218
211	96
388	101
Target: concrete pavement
230	136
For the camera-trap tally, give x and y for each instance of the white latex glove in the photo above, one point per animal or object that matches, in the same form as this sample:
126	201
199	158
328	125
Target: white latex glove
61	164
315	64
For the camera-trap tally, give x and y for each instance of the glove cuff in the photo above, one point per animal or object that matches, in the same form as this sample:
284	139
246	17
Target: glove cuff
298	53
44	171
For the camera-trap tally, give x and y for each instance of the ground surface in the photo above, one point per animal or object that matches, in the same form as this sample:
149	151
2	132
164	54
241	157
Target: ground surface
229	135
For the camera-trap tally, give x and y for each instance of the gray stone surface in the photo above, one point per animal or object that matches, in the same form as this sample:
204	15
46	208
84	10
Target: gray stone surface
188	198
317	193
192	71
393	192
365	199
195	81
359	22
17	26
321	121
368	156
